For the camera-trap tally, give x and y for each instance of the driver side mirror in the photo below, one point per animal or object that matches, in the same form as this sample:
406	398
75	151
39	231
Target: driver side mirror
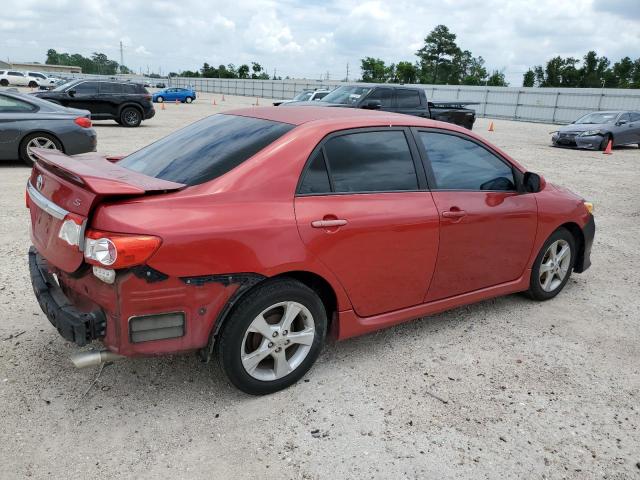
532	182
71	92
373	105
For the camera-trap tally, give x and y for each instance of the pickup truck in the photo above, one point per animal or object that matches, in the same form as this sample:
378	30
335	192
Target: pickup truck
398	99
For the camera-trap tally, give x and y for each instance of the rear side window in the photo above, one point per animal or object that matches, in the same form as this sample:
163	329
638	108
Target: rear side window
407	98
316	178
460	164
9	104
205	150
86	88
129	88
635	117
110	88
371	162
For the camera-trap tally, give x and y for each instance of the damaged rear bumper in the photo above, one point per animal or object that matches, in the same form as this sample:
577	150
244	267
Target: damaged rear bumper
74	325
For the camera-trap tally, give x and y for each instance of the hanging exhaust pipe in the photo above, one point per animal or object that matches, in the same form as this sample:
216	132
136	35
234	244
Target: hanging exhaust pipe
93	358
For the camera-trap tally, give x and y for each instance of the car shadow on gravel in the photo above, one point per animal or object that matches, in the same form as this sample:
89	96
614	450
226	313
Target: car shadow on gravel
182	378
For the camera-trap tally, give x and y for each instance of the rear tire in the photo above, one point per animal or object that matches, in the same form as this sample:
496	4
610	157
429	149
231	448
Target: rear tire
33	84
43	140
130	117
4	82
160	99
553	265
272	337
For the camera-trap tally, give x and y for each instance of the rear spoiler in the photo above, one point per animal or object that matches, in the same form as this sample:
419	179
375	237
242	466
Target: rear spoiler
98	174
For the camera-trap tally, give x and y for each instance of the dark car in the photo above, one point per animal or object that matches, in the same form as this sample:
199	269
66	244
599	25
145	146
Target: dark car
595	130
28	122
397	99
160	85
125	102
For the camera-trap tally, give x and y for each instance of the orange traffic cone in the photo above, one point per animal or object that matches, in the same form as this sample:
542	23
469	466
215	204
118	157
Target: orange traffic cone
223	97
608	150
214	102
491	129
257	102
162	107
177	101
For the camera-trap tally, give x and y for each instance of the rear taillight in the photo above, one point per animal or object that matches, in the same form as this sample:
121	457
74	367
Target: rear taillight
71	229
148	97
84	122
116	250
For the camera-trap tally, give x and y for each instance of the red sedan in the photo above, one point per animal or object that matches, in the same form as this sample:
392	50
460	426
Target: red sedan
251	234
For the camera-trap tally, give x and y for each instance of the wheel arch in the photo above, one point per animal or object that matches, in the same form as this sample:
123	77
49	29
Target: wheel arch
43	131
131	104
578	236
314	281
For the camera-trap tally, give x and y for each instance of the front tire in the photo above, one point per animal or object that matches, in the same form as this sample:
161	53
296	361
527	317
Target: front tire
130	117
272	337
605	142
40	140
553	265
188	99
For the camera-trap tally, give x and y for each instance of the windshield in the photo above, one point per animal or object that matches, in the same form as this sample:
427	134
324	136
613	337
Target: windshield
598	118
346	95
303	96
206	149
63	86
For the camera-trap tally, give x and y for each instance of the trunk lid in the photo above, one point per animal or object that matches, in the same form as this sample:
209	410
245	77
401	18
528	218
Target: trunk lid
63	187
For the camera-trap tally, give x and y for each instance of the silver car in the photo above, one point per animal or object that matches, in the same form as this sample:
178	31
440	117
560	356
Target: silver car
27	121
594	130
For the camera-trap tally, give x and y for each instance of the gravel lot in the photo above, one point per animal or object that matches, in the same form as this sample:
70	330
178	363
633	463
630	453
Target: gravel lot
506	388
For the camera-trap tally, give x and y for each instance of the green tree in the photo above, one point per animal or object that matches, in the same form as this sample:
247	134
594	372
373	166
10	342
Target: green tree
496	79
373	70
529	78
439	49
406	72
243	71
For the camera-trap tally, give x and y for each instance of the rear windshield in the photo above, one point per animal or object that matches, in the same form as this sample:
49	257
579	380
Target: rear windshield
205	150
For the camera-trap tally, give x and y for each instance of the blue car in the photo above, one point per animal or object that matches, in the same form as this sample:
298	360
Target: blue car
184	95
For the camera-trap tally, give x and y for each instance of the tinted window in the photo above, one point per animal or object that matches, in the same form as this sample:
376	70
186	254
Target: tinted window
383	95
205	150
86	88
111	88
625	117
635	117
9	104
371	162
460	164
129	88
16	74
407	98
320	95
316	179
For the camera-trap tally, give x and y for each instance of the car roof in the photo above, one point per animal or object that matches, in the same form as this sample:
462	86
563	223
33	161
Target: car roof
306	114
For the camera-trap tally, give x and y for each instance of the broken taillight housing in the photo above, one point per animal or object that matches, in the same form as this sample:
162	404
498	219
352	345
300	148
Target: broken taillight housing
117	250
71	229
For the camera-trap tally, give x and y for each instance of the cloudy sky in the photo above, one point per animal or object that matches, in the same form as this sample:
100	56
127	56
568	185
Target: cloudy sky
308	38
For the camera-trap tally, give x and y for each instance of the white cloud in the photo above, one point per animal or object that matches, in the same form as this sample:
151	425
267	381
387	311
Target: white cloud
310	37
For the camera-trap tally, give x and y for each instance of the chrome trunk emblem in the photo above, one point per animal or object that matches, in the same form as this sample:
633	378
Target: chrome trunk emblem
39	182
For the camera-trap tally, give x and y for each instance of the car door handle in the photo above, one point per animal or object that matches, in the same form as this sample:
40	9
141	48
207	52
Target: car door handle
328	223
454	214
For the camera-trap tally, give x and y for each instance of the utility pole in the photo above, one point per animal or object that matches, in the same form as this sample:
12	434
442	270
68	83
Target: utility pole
347	79
121	57
274	73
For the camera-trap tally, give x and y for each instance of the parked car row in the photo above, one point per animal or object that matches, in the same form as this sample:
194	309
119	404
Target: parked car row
26	79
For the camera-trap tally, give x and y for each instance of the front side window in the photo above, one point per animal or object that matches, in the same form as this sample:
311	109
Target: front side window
461	164
408	98
635	116
371	162
346	95
383	95
10	104
110	88
86	88
206	149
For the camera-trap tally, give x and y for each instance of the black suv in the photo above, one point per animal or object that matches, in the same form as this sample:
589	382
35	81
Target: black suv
125	102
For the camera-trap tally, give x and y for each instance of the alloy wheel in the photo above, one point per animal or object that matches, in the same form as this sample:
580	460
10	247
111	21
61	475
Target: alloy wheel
39	142
555	265
277	341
